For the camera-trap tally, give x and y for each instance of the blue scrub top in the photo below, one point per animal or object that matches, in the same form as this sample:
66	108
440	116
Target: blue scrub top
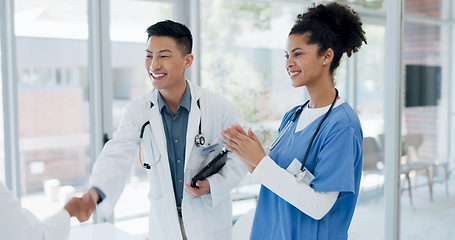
335	159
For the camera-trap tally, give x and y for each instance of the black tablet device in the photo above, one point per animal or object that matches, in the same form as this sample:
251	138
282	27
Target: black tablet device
213	167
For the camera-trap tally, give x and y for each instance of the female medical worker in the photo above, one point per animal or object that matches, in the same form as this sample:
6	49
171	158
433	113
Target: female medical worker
204	212
316	201
19	224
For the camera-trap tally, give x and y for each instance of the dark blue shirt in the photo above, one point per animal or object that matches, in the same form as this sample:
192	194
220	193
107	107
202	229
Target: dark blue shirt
175	126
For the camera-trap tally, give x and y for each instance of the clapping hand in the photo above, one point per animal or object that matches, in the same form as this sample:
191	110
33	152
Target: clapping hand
246	145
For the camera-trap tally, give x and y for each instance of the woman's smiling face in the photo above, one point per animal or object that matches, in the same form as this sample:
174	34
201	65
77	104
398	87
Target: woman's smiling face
303	63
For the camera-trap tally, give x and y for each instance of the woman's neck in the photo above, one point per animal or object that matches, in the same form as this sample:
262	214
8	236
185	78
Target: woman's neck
321	96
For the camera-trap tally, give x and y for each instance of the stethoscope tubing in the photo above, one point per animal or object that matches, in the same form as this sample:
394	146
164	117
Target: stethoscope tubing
199	140
317	130
290	122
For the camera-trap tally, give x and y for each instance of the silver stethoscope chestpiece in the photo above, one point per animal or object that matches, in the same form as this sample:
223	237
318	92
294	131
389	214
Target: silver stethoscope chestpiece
199	140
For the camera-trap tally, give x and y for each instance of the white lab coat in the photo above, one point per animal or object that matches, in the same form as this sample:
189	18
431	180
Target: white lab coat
206	218
20	224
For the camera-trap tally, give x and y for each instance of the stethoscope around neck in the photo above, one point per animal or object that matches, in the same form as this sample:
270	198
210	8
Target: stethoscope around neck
289	123
199	140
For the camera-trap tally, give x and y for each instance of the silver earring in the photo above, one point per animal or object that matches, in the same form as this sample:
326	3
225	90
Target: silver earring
324	63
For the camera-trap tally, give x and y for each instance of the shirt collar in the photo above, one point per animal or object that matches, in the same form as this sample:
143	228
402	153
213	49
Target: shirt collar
185	102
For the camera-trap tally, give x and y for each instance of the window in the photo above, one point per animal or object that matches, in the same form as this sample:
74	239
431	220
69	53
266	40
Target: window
2	136
372	4
428	8
425	129
370	81
242	58
129	21
54	126
369	105
242	46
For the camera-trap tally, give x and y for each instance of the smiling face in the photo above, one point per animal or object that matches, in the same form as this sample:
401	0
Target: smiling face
166	64
303	63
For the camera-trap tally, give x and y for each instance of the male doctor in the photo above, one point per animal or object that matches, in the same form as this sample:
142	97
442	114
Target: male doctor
166	121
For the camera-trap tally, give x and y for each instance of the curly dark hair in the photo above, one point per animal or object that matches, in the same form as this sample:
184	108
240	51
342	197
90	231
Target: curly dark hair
332	26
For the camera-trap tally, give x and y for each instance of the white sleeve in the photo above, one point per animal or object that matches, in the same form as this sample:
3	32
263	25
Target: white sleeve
58	226
113	166
19	223
300	195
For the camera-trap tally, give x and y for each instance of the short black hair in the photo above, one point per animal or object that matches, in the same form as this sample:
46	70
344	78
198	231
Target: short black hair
332	26
179	32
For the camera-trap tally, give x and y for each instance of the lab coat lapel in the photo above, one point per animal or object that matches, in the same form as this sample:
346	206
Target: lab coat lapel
193	122
168	224
156	123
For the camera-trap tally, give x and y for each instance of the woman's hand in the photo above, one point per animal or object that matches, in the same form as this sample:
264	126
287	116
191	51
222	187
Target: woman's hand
246	146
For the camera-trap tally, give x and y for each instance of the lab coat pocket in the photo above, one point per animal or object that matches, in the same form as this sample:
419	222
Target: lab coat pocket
155	184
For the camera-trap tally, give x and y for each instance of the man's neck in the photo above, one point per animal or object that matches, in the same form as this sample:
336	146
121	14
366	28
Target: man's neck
173	97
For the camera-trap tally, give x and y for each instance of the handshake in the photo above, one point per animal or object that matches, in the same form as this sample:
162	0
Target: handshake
82	208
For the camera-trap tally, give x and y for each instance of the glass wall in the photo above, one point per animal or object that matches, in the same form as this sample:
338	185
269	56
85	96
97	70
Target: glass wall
425	125
2	136
129	20
368	76
242	58
428	8
371	4
242	45
425	132
52	101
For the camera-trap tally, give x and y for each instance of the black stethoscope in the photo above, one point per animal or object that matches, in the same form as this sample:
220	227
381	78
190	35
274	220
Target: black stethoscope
199	140
289	123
